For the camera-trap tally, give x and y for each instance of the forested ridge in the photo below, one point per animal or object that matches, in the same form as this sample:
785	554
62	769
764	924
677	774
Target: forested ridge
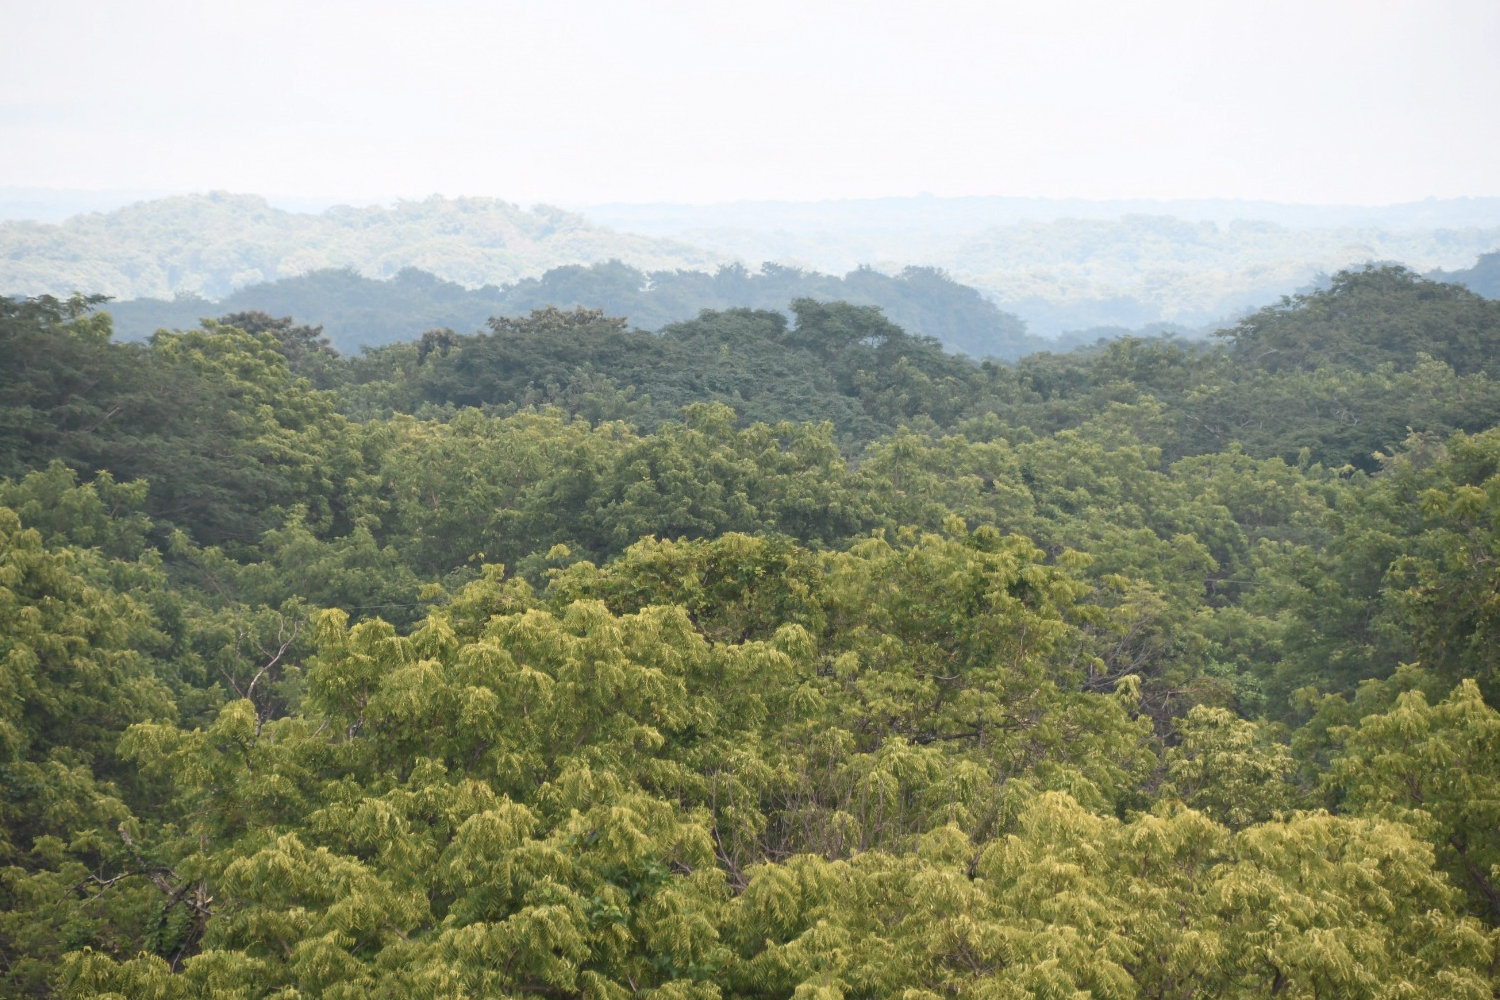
356	312
1061	265
757	657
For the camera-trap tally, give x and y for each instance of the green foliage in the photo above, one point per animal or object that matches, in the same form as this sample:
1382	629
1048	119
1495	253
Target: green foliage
1075	904
839	362
1436	767
994	683
101	514
1230	769
83	655
360	311
167	414
1405	576
308	353
74	674
1366	318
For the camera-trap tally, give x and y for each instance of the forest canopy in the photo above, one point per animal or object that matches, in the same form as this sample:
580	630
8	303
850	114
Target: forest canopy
357	312
757	656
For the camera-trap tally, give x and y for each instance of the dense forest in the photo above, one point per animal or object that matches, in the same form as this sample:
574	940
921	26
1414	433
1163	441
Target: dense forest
767	655
357	312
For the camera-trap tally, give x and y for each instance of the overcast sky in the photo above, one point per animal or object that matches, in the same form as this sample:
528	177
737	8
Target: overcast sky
1322	101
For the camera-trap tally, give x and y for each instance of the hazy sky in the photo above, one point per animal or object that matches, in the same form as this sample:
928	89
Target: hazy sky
1368	101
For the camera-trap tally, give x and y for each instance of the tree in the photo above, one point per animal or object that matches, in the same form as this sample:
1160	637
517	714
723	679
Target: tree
1436	767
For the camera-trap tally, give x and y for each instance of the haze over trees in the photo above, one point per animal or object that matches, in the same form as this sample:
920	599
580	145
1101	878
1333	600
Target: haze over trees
1483	277
757	657
356	312
212	244
1059	266
1073	264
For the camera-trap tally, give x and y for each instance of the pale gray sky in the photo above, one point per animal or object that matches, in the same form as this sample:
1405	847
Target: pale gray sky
1364	101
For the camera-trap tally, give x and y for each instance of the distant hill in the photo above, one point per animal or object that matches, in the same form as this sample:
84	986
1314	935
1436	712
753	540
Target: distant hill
923	301
1481	279
356	311
210	245
353	310
1065	265
1062	266
1372	317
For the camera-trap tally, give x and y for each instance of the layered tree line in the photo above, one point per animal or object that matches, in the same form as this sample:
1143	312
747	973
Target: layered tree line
754	658
356	311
